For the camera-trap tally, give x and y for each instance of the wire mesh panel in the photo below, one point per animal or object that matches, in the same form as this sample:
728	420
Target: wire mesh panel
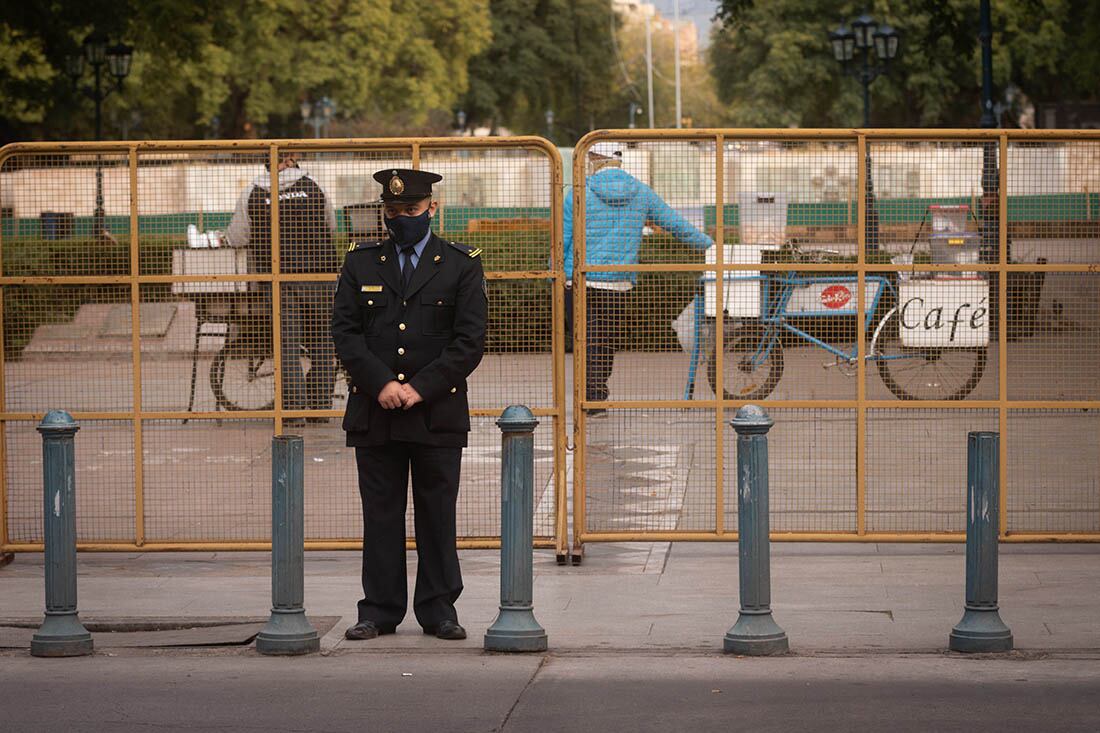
499	201
916	468
237	252
104	460
207	480
811	471
790	334
650	471
68	347
1053	471
643	205
928	337
934	215
67	214
1054	201
1053	336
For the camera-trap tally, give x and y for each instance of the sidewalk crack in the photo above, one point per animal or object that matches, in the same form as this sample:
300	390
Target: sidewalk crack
508	715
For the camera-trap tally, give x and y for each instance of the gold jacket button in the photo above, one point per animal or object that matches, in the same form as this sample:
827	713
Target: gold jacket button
454	389
354	389
401	326
370	302
401	350
401	377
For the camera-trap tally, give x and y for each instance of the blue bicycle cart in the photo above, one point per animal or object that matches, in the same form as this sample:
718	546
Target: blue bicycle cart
927	336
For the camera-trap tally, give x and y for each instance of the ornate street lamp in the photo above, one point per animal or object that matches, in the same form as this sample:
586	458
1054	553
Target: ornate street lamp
98	52
877	45
318	114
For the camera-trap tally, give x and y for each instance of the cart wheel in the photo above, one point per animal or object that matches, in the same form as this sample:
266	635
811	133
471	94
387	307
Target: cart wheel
241	381
925	373
751	365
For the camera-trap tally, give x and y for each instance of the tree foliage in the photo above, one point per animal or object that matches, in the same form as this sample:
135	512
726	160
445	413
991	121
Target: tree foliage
774	66
241	67
545	55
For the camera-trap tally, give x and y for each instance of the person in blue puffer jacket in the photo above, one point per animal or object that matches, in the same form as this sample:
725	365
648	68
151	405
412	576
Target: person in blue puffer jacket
617	208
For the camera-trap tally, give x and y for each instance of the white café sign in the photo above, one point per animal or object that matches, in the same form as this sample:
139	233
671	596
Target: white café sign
944	313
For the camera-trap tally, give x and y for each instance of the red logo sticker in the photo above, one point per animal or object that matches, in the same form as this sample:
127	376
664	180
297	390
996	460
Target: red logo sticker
835	296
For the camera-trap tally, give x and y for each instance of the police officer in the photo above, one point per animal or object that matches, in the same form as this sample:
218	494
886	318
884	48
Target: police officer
307	223
408	322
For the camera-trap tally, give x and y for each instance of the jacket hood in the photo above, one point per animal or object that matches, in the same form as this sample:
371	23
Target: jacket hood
614	186
287	178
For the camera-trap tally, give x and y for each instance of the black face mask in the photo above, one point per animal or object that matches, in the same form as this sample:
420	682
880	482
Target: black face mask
408	230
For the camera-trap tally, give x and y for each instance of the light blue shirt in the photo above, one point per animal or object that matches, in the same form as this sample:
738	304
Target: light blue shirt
417	250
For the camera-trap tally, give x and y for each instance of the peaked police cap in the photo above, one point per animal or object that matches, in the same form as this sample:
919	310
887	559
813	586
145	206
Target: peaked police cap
405	185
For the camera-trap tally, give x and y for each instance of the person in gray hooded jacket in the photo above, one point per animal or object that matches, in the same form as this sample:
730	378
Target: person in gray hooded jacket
307	224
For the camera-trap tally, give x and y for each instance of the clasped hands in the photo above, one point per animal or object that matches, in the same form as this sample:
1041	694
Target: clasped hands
395	395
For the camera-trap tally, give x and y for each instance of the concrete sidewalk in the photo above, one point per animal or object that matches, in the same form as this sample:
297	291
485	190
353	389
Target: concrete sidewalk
635	646
830	598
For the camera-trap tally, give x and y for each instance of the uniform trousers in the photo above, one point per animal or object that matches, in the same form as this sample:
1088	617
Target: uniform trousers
383	488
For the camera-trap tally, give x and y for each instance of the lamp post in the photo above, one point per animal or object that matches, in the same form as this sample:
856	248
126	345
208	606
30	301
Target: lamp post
868	38
877	46
318	114
98	52
635	109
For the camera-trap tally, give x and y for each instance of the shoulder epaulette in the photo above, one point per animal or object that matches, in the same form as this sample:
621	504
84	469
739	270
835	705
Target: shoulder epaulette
356	246
465	249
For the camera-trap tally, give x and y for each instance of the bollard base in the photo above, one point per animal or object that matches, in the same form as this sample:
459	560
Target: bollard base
287	633
980	631
515	630
61	635
756	635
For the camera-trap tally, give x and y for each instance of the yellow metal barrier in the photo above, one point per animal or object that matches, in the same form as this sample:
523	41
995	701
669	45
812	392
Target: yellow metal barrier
116	307
882	293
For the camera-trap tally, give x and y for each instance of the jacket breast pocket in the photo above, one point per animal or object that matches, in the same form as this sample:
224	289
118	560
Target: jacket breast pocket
373	307
438	311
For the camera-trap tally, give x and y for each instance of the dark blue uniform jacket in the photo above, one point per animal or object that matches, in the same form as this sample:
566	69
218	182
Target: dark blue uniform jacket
431	337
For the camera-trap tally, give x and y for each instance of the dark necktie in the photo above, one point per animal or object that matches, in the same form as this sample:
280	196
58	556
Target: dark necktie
407	265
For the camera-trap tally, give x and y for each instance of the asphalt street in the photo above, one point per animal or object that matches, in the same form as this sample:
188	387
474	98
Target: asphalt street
447	691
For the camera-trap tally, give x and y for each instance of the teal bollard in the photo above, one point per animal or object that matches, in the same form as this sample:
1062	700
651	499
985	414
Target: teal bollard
515	628
287	632
61	633
755	633
981	628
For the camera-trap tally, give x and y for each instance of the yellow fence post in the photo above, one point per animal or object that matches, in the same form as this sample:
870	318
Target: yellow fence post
861	334
719	332
135	345
1002	331
580	340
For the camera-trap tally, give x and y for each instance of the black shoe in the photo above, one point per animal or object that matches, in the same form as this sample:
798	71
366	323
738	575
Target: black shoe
294	422
596	412
367	630
449	630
